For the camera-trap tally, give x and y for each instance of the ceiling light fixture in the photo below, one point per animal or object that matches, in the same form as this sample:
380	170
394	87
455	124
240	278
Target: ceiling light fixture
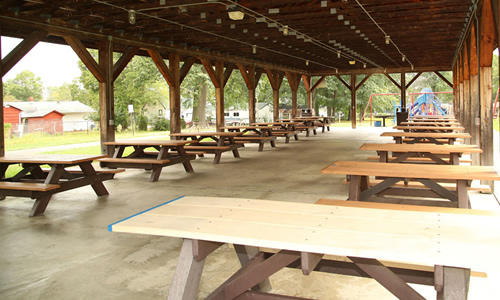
364	66
352	62
254	49
307	62
235	13
403	58
338	54
131	16
285	30
387	40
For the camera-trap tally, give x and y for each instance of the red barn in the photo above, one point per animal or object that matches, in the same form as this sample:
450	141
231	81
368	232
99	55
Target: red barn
46	121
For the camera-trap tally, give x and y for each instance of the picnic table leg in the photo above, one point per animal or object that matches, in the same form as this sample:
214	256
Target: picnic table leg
187	164
454	159
187	275
41	203
98	186
245	253
462	194
451	283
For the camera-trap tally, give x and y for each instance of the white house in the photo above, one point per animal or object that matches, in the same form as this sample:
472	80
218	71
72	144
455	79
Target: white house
75	113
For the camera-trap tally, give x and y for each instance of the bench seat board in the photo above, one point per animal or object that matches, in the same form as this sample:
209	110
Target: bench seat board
432	148
415	237
424	171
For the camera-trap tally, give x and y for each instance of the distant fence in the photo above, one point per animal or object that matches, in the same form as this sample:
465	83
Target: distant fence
49	127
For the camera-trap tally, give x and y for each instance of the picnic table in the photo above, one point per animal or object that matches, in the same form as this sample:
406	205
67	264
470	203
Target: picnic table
438	138
254	134
165	153
33	182
215	142
306	236
433	118
383	118
306	124
430	175
430	152
280	129
424	123
429	128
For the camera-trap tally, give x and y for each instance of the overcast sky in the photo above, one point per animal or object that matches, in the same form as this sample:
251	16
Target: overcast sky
55	64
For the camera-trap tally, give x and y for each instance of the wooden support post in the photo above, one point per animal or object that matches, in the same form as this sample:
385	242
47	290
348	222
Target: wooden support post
307	83
251	76
486	47
474	93
106	96
353	100
294	81
403	91
309	261
276	79
465	92
217	77
175	94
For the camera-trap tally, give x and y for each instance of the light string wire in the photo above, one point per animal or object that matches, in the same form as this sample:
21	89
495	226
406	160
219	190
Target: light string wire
385	34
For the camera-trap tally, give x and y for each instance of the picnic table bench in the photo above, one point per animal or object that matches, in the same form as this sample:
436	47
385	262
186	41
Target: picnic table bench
167	153
424	123
34	183
360	188
211	142
253	134
450	242
430	137
420	152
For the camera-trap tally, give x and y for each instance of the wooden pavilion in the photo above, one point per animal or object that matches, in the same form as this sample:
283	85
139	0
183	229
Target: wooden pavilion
297	39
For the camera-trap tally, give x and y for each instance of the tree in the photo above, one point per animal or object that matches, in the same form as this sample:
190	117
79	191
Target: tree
60	93
24	86
195	92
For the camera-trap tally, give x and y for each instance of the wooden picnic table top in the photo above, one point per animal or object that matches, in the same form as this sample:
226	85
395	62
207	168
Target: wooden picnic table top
151	143
241	127
206	133
464	240
275	123
420	171
428	127
433	117
431	148
422	123
64	159
436	135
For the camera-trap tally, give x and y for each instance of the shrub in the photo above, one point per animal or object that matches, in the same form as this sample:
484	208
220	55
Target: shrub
161	124
143	123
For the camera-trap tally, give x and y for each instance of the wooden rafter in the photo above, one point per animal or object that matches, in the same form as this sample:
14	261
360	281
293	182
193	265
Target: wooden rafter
21	50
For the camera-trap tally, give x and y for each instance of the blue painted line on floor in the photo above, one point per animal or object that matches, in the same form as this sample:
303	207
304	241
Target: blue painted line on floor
110	229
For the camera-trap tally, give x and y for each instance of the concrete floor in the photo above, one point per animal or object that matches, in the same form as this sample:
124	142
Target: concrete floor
69	254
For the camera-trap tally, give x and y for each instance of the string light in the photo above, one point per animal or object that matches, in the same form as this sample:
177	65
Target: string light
403	58
307	62
254	49
285	30
338	54
387	40
131	16
364	66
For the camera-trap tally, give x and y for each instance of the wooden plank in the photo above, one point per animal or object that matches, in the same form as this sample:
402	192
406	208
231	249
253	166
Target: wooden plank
28	186
424	171
431	148
389	235
69	159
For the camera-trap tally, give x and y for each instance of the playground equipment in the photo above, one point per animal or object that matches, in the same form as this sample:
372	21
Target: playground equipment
427	104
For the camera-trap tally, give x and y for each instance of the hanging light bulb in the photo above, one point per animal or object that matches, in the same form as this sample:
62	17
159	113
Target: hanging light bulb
131	16
254	49
338	54
285	30
352	62
336	71
364	66
387	40
235	12
412	67
403	58
307	62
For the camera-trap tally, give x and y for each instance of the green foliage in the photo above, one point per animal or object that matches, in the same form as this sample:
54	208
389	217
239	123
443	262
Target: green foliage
161	124
60	93
143	123
6	129
24	86
183	124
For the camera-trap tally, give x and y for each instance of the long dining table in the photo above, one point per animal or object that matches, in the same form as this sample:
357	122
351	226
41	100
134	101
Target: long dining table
420	137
